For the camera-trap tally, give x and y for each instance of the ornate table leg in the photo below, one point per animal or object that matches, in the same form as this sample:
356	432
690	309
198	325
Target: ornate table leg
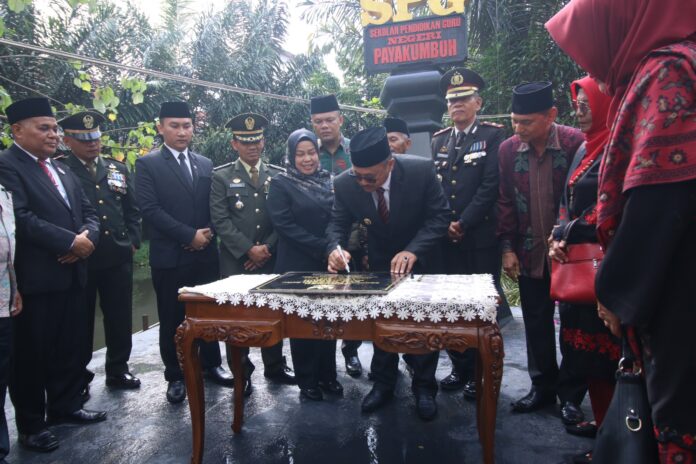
187	352
238	371
491	355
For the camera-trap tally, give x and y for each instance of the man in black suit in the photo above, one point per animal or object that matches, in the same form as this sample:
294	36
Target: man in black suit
173	191
109	187
56	230
466	160
402	205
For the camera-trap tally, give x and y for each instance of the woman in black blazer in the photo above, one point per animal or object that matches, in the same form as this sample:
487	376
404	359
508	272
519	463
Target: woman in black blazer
299	204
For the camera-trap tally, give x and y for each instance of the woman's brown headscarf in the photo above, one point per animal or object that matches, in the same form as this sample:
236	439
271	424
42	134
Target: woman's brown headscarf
643	51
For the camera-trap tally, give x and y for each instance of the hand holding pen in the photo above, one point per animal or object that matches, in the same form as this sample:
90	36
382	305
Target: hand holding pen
338	260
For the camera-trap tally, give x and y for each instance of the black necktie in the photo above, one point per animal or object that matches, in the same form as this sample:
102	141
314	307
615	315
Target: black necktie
184	169
460	139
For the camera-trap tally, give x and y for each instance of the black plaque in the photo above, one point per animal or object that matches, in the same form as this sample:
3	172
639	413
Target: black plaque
323	283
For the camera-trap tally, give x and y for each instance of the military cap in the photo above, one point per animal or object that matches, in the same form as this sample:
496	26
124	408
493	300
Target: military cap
369	147
324	104
247	127
176	109
532	97
28	108
461	82
82	126
396	125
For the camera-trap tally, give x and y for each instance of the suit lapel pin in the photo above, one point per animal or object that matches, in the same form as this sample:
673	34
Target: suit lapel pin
367	221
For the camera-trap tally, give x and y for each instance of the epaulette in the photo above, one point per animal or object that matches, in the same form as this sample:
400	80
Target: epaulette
223	166
443	131
112	159
61	157
492	124
274	166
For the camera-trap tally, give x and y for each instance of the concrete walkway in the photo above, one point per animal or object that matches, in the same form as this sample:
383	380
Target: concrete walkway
281	429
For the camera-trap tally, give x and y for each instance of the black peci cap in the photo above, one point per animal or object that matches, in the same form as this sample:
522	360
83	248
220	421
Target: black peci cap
532	97
369	147
460	82
396	125
82	126
28	108
324	104
176	109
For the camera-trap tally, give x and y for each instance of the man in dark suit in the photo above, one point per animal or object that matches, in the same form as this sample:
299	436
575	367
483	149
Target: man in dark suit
173	191
57	229
466	160
402	205
239	214
109	187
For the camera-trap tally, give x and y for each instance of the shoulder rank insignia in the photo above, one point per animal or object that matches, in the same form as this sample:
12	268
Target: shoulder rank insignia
442	131
222	166
276	167
492	124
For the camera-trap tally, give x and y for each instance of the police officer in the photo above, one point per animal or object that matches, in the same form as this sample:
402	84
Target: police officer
466	160
109	188
238	211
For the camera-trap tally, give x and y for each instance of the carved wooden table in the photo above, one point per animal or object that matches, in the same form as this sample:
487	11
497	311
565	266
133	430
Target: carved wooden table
239	326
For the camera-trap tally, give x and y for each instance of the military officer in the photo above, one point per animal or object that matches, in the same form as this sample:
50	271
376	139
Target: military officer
466	160
109	187
239	215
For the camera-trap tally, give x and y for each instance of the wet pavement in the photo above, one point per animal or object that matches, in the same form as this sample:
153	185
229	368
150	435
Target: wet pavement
142	427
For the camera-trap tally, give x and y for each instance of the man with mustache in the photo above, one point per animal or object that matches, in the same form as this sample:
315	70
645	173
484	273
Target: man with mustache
239	214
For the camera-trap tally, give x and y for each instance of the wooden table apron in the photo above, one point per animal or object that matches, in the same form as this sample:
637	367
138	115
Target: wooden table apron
239	326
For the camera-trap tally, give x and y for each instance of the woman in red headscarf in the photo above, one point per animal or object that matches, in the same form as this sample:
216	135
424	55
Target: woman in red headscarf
645	53
588	346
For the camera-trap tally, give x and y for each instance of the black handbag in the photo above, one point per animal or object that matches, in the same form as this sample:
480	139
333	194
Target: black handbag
626	435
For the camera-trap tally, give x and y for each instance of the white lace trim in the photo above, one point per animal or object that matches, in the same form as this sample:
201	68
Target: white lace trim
431	297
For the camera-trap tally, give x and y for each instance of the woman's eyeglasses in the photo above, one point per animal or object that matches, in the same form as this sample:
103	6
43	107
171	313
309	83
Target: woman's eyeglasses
581	105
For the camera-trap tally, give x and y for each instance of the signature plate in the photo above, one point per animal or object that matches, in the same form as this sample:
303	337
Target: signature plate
323	283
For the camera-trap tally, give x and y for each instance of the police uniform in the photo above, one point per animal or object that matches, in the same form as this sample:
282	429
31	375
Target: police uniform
109	188
239	215
467	166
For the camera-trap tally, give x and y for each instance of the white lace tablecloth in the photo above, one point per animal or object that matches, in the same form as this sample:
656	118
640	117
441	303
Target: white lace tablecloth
431	297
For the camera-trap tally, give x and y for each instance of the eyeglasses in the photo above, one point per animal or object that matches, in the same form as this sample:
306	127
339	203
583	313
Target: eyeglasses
368	178
581	105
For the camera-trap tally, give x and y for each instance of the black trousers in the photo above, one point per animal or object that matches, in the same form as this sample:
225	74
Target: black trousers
313	360
477	261
5	357
272	357
171	312
48	357
385	369
537	312
115	288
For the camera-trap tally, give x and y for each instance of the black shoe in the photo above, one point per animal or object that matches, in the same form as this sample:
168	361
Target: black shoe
313	394
219	376
571	413
376	399
532	401
452	382
125	381
353	366
470	390
583	429
176	391
584	458
84	395
43	441
332	386
81	416
426	406
284	376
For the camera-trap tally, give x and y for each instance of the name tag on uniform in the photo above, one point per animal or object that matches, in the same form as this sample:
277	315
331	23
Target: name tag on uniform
442	155
236	185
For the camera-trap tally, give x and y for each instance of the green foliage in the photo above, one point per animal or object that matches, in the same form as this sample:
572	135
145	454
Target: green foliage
17	6
511	290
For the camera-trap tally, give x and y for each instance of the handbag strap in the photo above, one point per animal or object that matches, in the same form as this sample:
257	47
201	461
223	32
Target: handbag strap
630	358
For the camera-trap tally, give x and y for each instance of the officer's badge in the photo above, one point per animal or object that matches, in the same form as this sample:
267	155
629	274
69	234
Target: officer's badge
116	180
456	79
249	123
236	180
88	121
367	222
443	149
238	204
